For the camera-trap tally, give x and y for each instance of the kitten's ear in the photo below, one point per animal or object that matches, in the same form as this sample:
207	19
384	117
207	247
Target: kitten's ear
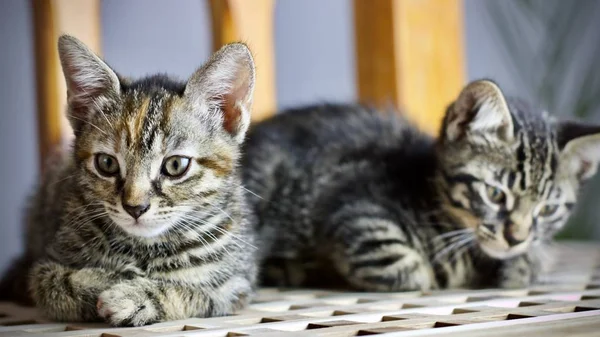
87	77
226	83
580	148
480	109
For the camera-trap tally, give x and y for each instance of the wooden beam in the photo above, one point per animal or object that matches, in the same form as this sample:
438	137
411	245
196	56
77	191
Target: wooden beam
52	18
251	22
410	53
46	62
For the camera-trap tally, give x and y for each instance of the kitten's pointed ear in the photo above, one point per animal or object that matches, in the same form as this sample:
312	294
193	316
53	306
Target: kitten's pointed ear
480	109
87	77
226	83
580	148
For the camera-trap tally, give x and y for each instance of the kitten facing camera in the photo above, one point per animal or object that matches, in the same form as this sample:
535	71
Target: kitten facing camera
145	220
363	194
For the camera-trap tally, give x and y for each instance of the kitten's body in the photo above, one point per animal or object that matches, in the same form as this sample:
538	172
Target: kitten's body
351	191
209	260
92	252
328	165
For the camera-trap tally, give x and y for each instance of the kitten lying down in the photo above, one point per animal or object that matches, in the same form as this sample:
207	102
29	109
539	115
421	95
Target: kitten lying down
144	220
359	197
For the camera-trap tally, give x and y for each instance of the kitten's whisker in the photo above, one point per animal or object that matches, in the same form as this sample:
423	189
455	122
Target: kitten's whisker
451	240
83	216
234	238
63	179
89	123
465	238
210	246
82	206
233	235
224	246
235	223
452	233
89	220
253	193
463	250
210	250
224	231
249	191
456	247
95	102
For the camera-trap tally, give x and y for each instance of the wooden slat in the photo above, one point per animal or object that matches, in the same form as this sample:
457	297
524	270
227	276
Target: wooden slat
375	51
410	53
251	22
541	310
52	18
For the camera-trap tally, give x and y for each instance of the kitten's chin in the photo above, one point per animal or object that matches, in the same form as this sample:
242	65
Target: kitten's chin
143	228
502	253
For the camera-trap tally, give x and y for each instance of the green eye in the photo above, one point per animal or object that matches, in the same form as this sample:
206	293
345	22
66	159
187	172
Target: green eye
106	165
176	166
548	210
495	195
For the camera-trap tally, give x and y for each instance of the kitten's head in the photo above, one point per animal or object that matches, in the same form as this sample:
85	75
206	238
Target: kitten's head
150	150
513	173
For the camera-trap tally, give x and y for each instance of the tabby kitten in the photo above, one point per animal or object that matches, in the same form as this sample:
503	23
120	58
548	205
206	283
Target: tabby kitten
348	189
145	220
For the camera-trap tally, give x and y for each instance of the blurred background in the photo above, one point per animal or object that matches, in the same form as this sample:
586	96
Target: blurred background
414	53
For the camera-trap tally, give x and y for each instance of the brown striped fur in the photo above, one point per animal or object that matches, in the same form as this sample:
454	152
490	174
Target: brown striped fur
190	252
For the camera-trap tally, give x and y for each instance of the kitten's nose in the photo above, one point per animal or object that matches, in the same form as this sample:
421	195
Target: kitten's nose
137	210
509	236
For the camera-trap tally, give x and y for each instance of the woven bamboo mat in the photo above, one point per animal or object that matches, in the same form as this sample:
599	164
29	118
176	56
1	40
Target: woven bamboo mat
567	303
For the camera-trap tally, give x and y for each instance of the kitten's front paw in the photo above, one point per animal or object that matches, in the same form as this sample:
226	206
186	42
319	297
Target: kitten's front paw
517	273
125	304
408	273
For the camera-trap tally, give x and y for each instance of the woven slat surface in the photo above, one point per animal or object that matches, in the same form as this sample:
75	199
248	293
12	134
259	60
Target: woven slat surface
566	303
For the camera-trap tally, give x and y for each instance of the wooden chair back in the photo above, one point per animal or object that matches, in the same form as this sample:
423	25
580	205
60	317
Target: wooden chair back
409	53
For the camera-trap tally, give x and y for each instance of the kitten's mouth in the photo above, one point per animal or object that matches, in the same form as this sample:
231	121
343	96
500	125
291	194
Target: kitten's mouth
500	243
502	254
142	227
138	222
500	250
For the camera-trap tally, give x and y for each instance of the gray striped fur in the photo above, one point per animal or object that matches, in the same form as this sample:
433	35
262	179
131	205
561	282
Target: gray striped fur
351	196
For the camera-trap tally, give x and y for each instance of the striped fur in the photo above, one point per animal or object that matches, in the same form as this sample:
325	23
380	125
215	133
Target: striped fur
361	194
191	252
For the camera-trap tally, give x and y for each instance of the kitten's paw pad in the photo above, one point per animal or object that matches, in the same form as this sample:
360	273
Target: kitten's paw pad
126	305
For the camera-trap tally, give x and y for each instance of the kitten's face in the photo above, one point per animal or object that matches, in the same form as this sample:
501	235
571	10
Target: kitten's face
154	152
151	161
512	170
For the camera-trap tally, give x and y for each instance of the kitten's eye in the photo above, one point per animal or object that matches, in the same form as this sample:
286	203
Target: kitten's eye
176	166
496	195
107	165
548	210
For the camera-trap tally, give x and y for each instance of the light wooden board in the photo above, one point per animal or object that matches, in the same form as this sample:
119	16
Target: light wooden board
51	18
566	303
251	22
410	53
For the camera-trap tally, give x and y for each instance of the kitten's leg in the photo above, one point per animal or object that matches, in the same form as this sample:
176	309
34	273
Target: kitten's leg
144	301
519	272
67	294
376	254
